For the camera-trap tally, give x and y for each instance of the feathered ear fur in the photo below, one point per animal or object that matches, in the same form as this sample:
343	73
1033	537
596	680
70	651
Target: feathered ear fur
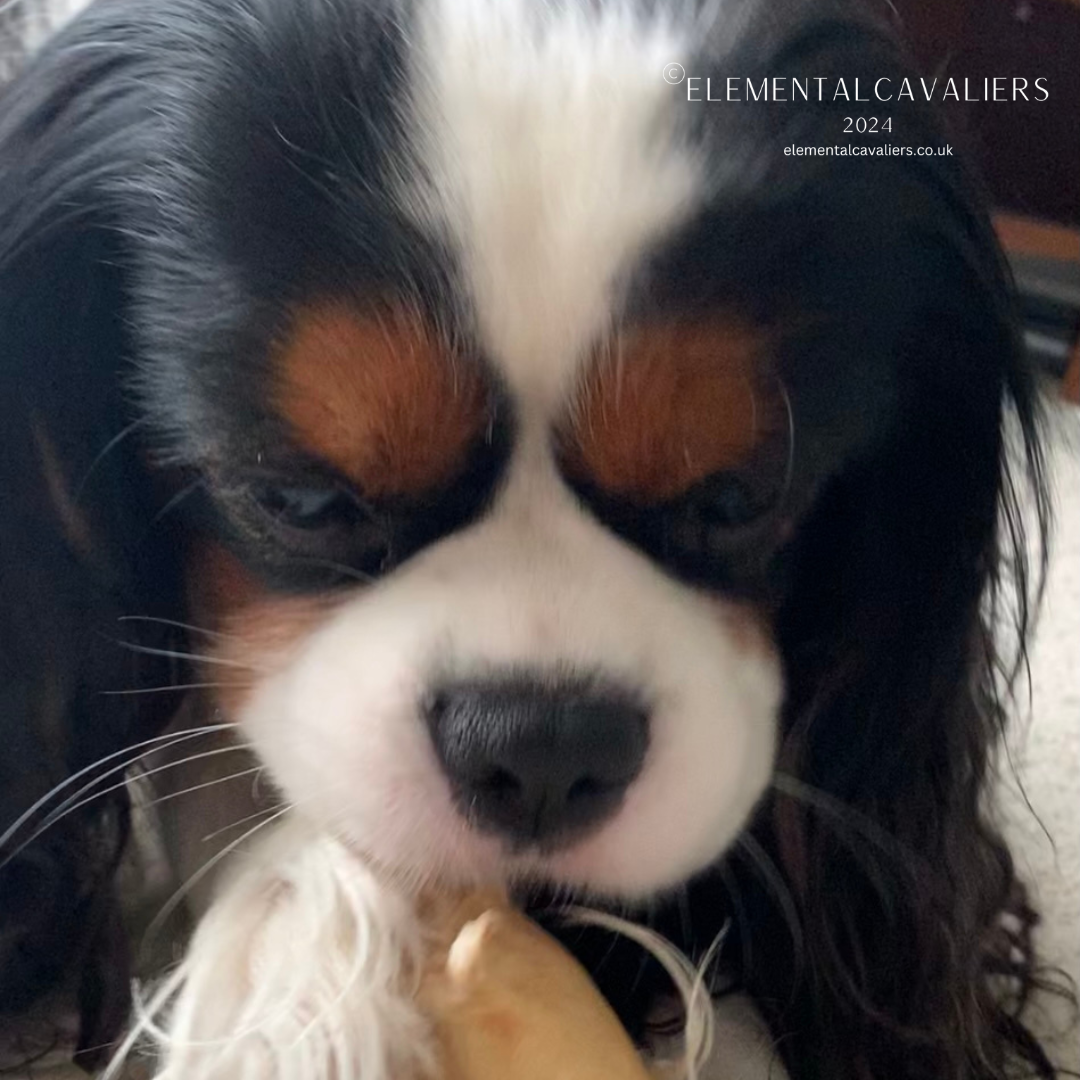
79	545
880	921
915	928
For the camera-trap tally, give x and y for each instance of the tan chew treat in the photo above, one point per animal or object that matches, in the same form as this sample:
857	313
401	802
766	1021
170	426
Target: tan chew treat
512	1004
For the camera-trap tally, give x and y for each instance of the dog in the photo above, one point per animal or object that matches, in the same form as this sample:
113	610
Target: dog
559	477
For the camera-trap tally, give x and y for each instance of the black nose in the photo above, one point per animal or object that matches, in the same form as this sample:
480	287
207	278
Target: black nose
538	762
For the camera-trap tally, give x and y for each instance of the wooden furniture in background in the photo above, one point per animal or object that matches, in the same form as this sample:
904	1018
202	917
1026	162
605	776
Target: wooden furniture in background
1046	264
1029	152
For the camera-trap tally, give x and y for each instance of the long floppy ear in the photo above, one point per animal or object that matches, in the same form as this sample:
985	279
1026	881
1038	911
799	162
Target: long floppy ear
913	581
881	926
81	546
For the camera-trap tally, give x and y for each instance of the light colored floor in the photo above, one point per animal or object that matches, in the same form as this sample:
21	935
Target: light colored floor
1046	741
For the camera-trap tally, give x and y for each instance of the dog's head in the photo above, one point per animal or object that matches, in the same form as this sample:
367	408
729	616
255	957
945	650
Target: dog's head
553	441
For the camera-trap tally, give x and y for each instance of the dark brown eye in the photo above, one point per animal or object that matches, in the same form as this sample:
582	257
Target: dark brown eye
303	507
712	517
314	533
724	501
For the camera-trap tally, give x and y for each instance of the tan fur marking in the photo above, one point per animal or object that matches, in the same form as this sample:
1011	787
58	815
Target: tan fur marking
259	629
667	406
750	626
380	397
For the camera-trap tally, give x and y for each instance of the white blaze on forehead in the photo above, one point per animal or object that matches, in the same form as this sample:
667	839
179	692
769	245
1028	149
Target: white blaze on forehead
548	138
548	155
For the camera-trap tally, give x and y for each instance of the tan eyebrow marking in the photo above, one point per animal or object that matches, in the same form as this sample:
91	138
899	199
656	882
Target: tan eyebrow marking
665	406
380	396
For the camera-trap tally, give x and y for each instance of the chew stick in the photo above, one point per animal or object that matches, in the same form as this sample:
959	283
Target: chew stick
510	1003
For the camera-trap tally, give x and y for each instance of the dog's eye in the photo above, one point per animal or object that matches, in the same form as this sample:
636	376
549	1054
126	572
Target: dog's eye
719	532
724	501
704	521
317	533
303	507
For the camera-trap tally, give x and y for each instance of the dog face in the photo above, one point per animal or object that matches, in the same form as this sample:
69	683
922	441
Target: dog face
552	493
538	456
481	345
549	453
512	381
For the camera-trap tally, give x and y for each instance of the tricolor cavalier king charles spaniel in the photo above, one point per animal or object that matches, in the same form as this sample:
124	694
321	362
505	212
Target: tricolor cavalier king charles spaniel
555	482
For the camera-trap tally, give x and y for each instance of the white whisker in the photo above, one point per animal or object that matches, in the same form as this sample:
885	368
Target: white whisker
177	625
178	896
774	880
111	445
699	1029
177	499
74	802
837	810
156	741
173	688
145	1013
244	820
200	658
144	774
205	784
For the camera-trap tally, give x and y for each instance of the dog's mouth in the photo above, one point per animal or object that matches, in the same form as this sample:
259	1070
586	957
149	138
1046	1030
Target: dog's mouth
631	979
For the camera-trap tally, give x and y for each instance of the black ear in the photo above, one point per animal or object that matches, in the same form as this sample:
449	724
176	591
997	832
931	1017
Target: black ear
896	705
82	543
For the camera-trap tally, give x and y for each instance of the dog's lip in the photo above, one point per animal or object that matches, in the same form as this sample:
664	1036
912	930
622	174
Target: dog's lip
541	893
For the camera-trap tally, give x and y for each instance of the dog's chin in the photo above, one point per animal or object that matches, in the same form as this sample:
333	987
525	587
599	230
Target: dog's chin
591	867
631	857
479	861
